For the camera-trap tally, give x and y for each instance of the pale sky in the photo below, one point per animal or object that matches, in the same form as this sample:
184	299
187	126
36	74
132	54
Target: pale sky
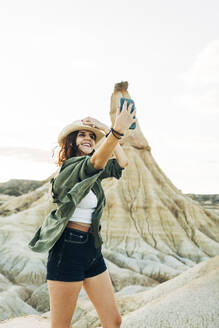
59	61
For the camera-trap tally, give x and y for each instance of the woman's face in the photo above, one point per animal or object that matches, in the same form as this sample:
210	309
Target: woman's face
86	142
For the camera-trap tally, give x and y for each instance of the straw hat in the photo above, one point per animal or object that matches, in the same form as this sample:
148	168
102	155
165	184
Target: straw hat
75	126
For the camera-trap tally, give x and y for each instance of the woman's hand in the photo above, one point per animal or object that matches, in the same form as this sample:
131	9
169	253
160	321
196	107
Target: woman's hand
124	119
95	123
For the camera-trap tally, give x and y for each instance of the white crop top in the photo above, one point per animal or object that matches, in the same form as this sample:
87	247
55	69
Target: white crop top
84	209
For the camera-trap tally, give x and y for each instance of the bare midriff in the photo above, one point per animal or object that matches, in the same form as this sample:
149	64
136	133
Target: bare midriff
78	225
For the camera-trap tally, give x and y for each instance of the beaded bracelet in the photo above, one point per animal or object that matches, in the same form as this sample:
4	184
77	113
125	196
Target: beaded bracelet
115	133
120	134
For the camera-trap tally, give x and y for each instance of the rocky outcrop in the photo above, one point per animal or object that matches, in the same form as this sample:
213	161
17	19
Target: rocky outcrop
189	300
24	202
207	201
149	226
17	187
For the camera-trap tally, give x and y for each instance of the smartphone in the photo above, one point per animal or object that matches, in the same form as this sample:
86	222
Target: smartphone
129	101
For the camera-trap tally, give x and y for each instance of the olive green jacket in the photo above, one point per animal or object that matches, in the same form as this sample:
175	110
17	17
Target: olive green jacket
74	181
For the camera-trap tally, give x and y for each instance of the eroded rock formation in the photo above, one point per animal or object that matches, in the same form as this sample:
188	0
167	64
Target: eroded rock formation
17	187
149	226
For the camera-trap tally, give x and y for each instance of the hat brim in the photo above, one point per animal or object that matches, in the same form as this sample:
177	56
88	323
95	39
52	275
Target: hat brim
76	126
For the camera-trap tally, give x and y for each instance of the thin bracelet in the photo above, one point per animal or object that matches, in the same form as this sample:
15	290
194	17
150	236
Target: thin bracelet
120	134
111	129
115	135
113	132
108	133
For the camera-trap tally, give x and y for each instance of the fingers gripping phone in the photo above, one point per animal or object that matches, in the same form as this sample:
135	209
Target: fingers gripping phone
129	101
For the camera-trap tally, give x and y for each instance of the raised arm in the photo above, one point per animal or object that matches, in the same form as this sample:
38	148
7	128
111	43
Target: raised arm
122	122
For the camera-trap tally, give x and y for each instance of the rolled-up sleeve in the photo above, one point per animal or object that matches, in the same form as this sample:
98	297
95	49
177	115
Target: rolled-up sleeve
112	169
86	169
72	172
89	168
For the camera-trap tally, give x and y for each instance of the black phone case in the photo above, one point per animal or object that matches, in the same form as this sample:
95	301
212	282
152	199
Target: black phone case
129	101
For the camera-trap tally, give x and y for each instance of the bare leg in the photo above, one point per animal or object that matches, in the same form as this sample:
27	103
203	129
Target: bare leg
100	291
63	298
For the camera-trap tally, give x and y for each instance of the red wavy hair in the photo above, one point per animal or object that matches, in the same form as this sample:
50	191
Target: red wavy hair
69	148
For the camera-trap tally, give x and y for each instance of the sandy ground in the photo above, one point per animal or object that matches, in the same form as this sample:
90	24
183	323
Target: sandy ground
31	321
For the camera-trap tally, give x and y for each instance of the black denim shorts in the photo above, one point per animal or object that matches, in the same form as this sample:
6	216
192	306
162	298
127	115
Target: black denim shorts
74	257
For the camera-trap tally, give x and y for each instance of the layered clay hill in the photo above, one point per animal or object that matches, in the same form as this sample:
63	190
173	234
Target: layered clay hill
160	247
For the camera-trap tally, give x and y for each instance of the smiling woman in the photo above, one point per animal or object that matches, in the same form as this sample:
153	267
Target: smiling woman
73	143
85	142
71	233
